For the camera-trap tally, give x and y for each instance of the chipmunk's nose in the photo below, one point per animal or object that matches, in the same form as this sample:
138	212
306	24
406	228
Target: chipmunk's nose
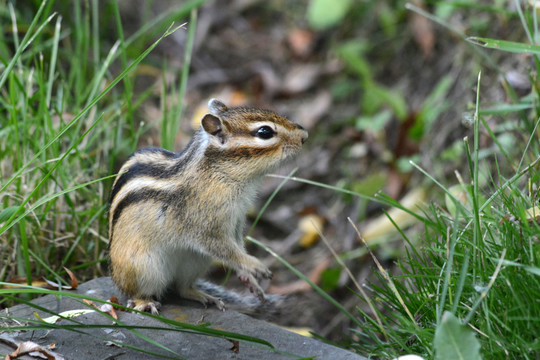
304	137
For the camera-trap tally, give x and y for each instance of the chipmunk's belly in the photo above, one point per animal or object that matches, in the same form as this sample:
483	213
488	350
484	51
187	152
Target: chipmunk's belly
189	266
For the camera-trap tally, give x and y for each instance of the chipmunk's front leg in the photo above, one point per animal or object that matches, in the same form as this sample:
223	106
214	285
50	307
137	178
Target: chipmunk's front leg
249	269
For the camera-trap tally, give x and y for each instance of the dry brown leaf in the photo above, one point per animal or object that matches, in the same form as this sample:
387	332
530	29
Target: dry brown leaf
304	331
311	110
236	346
74	281
310	226
423	32
28	347
106	308
89	303
301	77
51	285
109	309
300	285
301	42
21	280
383	226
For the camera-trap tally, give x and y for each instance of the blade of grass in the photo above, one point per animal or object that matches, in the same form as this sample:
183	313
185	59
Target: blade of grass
28	38
523	21
54	56
269	200
174	124
9	222
503	109
353	278
82	232
54	196
504	45
119	78
485	291
527	147
477	230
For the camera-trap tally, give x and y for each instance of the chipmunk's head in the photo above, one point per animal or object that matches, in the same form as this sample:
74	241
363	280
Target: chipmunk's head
257	140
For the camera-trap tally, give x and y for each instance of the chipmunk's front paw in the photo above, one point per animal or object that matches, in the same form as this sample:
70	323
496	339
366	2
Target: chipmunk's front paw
250	272
149	306
250	281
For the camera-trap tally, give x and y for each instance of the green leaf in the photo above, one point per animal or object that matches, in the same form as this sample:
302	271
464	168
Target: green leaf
504	45
453	341
323	14
330	279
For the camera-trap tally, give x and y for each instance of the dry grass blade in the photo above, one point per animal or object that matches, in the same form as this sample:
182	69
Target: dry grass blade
383	272
352	277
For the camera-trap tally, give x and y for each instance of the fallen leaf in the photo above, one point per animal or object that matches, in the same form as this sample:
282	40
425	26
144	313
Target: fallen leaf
301	42
236	346
310	226
109	309
304	331
531	215
74	281
64	314
29	347
422	29
518	81
55	286
312	109
383	226
21	280
301	77
89	303
300	285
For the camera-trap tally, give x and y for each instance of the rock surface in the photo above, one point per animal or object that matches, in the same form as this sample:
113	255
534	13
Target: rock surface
171	342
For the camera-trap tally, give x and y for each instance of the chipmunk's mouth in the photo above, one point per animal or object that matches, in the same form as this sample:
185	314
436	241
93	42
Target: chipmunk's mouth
289	151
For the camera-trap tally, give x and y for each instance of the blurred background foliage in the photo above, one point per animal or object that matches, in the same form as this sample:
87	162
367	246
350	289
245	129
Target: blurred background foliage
388	91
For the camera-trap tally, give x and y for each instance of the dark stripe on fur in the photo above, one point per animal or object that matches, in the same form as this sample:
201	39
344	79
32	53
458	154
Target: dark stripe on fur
155	170
169	201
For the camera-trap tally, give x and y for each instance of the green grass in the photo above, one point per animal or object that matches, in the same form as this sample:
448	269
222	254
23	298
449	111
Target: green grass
479	258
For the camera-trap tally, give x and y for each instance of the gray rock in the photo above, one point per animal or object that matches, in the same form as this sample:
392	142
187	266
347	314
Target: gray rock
173	341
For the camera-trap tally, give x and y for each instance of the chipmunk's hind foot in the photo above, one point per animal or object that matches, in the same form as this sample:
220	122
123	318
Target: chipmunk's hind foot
203	298
150	306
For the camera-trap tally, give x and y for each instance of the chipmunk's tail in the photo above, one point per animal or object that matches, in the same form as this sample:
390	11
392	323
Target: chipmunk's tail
243	302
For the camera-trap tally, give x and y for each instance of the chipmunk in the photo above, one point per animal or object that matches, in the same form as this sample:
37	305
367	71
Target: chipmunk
172	214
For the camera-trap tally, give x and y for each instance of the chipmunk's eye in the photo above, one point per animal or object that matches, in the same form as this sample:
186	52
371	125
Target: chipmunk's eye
265	132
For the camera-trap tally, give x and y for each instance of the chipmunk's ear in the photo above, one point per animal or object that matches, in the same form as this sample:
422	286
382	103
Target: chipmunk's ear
213	126
216	107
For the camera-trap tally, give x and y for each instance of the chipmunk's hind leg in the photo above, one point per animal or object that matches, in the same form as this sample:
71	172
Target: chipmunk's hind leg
202	297
187	273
